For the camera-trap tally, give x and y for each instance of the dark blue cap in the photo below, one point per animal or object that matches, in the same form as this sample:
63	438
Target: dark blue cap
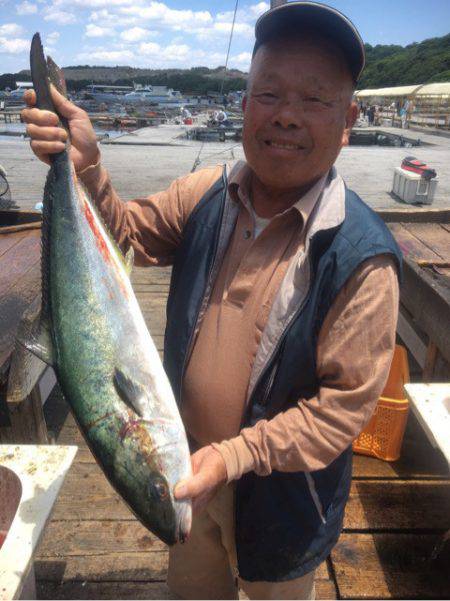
318	17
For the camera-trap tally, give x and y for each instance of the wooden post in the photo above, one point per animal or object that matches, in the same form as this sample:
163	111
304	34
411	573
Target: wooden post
430	362
27	421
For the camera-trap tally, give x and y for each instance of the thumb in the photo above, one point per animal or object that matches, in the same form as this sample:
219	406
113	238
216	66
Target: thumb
186	489
63	106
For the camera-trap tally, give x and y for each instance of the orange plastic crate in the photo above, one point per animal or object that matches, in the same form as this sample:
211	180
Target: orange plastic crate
383	435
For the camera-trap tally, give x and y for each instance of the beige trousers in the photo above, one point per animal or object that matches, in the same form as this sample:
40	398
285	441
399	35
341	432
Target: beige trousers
205	566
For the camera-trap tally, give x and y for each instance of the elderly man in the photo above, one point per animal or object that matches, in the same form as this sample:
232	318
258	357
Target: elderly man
281	314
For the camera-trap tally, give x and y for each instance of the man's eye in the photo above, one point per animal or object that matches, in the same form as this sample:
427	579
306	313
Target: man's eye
266	96
313	99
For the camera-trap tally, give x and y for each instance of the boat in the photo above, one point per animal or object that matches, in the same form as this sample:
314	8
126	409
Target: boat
155	95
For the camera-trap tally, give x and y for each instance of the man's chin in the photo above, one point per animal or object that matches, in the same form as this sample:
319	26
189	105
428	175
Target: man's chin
285	181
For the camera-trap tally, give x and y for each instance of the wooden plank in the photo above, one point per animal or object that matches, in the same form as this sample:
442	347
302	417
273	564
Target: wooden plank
398	505
373	504
410	246
414	215
11	229
410	339
132	590
390	566
102	590
90	538
104	567
7	242
27	423
433	236
87	495
430	362
428	302
18	260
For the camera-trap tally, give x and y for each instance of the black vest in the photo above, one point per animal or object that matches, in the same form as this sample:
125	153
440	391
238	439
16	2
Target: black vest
286	523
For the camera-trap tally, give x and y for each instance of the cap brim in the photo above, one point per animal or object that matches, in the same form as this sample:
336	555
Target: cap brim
317	17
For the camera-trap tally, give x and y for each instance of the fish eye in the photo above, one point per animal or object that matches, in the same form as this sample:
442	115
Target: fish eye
158	489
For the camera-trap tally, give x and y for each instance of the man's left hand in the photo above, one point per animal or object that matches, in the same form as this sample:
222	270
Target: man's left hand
209	474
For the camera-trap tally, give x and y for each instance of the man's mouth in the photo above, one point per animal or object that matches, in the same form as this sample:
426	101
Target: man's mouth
284	145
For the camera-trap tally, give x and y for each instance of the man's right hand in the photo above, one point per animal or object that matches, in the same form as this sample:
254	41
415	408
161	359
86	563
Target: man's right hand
48	137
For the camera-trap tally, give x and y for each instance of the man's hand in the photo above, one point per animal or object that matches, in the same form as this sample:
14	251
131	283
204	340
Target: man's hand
209	473
48	137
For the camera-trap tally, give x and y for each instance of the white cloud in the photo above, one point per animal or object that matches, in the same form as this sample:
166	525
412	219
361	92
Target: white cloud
53	37
95	3
258	9
11	29
116	57
241	61
94	31
13	45
136	34
168	17
150	48
59	16
26	8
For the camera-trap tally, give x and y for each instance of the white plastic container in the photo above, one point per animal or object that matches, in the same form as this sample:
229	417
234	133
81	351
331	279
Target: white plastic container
412	188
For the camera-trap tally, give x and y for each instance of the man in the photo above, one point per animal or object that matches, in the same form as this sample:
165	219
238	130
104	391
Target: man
281	314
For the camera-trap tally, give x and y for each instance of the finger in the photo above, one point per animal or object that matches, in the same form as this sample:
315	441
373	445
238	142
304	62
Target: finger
41	147
44	158
38	117
52	134
192	487
30	98
64	107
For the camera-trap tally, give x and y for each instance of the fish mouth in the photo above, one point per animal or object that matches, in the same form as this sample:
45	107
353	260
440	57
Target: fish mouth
184	520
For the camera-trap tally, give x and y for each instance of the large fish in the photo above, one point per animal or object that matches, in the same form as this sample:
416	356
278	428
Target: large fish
93	333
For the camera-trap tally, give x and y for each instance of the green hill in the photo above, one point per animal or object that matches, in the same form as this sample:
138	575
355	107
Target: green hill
387	65
424	62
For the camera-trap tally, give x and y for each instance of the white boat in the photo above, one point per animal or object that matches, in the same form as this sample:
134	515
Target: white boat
155	95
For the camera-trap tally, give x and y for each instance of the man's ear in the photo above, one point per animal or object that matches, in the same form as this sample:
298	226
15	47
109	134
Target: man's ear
244	102
350	119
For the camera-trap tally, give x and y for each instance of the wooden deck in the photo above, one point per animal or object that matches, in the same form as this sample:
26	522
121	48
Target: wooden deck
390	548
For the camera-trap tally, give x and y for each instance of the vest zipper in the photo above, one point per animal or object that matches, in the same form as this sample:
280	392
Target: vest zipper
315	496
275	350
206	297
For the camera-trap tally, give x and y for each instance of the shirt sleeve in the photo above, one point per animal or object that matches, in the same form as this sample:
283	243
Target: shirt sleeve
153	225
354	354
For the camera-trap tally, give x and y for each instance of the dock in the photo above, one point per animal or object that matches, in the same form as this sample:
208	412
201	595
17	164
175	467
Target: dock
146	161
393	544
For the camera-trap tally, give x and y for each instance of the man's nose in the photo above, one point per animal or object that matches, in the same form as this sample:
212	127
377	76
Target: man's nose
289	115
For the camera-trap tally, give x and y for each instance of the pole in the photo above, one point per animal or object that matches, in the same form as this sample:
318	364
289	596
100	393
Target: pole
229	46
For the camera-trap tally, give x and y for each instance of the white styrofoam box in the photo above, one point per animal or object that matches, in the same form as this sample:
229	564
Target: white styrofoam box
412	188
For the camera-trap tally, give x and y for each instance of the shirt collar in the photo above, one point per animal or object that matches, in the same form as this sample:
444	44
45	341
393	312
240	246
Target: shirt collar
239	190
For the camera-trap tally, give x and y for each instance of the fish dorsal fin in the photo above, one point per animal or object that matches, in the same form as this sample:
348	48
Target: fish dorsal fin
129	260
132	393
34	334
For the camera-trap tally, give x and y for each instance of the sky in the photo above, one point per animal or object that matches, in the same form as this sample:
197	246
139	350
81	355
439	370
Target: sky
179	34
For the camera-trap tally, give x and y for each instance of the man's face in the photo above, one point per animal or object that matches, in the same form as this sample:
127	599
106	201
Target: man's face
297	113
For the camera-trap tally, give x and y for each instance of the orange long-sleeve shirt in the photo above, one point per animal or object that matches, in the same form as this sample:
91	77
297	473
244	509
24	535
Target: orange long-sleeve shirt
355	344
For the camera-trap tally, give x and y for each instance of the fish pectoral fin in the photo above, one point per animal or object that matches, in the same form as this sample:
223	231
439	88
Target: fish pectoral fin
132	393
34	334
129	260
